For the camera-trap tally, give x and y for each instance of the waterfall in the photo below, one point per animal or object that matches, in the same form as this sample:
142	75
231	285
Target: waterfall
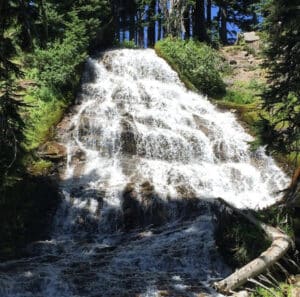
145	156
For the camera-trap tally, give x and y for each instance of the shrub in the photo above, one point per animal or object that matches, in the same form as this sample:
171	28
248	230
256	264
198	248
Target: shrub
127	44
46	109
57	64
197	64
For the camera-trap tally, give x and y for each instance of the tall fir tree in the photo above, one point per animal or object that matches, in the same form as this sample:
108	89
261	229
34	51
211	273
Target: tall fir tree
282	96
11	124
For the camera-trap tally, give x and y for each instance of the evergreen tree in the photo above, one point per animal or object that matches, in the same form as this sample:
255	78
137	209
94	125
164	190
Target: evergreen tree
200	29
10	120
282	96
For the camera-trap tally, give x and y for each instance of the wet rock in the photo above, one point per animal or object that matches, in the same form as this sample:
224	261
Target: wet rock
202	124
131	208
185	192
220	150
154	209
78	169
79	155
85	221
128	141
87	194
111	220
84	126
53	150
107	61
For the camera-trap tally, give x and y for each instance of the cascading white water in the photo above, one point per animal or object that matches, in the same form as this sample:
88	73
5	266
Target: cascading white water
143	155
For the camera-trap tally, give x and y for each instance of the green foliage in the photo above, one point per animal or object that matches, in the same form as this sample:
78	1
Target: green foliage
196	63
238	96
244	92
127	44
11	123
283	291
282	96
50	41
46	109
40	167
57	64
240	241
277	217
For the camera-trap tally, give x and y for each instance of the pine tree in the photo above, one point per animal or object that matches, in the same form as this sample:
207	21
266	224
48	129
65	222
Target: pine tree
11	123
200	29
282	96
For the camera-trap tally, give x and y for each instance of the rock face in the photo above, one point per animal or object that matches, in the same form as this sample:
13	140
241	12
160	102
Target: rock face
250	37
295	292
53	150
252	40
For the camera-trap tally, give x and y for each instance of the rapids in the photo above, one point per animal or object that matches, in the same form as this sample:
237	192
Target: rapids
145	156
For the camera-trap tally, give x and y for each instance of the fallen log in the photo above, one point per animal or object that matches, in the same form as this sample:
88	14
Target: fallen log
280	245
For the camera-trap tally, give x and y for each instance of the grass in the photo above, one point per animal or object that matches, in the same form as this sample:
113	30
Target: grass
244	92
277	217
284	290
239	240
45	110
40	167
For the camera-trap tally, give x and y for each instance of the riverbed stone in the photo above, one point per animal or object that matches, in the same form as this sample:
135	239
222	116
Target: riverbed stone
53	150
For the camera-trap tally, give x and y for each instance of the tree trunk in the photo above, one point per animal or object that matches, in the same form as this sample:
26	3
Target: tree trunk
116	19
165	16
131	27
199	21
223	28
208	14
280	245
43	13
151	23
187	23
27	42
159	21
140	30
254	20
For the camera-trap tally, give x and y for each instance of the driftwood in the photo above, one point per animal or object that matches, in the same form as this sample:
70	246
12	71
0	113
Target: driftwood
280	245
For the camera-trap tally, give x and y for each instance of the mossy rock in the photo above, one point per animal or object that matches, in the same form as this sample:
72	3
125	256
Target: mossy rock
53	150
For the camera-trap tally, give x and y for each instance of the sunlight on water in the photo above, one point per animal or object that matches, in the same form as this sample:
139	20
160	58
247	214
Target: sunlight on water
142	153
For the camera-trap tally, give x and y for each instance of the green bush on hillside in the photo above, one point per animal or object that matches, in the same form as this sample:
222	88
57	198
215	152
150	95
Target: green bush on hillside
57	64
197	64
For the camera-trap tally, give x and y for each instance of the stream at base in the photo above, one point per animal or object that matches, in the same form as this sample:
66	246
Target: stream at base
145	158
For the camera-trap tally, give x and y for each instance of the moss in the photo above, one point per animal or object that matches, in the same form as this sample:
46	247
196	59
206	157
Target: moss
40	167
46	109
